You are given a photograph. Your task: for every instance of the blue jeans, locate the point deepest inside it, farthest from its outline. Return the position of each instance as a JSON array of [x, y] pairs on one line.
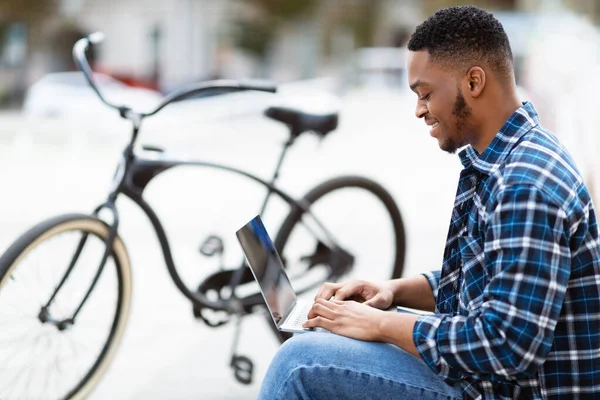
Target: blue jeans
[[320, 365]]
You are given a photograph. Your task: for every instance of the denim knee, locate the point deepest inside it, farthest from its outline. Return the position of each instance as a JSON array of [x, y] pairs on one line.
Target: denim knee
[[324, 365], [297, 351]]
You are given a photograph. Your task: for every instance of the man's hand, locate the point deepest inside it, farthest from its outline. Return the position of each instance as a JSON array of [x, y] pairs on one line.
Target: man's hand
[[359, 321], [371, 294], [346, 318]]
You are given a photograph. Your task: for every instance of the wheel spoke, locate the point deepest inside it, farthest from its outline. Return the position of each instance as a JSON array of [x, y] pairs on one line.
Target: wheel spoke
[[6, 360], [16, 319], [24, 298], [13, 315], [59, 372], [18, 375], [14, 340], [30, 290], [46, 385], [31, 370]]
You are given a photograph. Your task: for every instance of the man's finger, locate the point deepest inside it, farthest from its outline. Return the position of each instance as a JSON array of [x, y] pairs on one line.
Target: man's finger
[[327, 290], [376, 301], [348, 291], [312, 313], [321, 309], [319, 322]]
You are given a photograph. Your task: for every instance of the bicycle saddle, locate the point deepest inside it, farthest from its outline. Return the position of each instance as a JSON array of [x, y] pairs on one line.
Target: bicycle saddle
[[317, 117]]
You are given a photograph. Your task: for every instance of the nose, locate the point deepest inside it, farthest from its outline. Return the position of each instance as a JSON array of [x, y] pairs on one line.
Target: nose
[[421, 109]]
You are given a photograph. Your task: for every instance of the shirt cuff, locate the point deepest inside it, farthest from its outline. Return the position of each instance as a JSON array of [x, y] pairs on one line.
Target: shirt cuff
[[424, 338], [434, 281]]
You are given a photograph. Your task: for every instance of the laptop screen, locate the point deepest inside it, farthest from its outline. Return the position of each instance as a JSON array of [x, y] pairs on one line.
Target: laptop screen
[[267, 268]]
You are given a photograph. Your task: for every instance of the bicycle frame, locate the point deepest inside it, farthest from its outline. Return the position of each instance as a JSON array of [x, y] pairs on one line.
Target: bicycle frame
[[133, 174]]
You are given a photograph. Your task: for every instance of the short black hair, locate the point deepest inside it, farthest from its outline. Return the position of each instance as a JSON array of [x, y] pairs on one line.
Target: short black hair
[[455, 36]]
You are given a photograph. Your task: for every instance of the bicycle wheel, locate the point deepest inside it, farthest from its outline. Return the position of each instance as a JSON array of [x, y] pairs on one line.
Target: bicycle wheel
[[363, 220], [47, 360]]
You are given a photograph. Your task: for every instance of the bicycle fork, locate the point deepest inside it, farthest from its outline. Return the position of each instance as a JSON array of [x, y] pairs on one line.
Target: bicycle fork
[[44, 315]]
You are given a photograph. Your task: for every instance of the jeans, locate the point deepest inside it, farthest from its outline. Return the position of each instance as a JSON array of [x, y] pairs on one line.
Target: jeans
[[320, 365]]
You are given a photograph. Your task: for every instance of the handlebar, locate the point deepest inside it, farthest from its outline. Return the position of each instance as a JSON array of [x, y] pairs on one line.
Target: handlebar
[[82, 63], [79, 56], [231, 85]]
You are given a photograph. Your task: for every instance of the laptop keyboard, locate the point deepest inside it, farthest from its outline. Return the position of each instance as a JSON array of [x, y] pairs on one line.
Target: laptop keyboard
[[298, 316]]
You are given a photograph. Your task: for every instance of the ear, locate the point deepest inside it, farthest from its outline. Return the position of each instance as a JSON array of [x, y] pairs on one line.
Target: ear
[[476, 80]]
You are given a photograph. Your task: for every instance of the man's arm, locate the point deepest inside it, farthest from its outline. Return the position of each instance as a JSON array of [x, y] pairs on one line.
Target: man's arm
[[415, 292], [360, 321], [526, 258]]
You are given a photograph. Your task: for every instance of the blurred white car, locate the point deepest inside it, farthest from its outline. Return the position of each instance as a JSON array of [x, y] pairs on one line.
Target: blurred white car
[[68, 95]]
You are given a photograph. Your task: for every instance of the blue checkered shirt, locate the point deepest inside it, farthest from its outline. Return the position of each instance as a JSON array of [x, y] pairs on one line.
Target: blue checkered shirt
[[518, 297]]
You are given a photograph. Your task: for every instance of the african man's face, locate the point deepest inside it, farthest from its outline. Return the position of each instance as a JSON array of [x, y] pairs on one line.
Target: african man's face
[[440, 101]]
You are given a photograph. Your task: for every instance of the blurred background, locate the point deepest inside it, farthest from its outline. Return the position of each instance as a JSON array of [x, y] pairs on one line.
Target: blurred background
[[59, 144], [154, 47]]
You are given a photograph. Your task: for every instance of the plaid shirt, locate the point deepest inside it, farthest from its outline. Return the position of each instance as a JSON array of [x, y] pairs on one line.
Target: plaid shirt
[[518, 297]]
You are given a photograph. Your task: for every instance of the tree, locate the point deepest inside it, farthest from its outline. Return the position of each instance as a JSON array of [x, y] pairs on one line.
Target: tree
[[24, 20], [27, 11], [286, 10], [32, 13]]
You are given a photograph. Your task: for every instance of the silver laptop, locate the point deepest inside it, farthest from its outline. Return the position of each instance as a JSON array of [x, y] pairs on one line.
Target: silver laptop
[[287, 311]]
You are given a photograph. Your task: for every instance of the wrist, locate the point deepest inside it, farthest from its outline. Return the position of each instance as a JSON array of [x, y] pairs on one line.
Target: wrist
[[398, 287], [397, 329], [414, 292]]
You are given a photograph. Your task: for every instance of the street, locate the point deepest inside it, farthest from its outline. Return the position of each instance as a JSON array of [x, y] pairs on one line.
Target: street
[[56, 167]]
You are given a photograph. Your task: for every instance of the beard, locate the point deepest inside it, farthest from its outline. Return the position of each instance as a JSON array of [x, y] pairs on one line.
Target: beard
[[462, 112]]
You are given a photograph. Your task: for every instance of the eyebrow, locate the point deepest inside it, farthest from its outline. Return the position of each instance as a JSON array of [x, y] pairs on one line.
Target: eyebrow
[[417, 84]]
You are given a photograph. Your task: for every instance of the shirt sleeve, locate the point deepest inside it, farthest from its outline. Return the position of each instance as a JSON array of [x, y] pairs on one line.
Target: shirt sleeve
[[527, 261], [434, 281]]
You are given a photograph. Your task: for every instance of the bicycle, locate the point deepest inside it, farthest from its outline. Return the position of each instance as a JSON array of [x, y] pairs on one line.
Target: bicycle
[[94, 253]]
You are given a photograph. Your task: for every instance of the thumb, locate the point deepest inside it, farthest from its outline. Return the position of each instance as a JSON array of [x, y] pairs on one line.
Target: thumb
[[347, 291], [377, 301]]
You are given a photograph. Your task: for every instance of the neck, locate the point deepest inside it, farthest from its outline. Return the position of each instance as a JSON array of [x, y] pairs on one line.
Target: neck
[[496, 114]]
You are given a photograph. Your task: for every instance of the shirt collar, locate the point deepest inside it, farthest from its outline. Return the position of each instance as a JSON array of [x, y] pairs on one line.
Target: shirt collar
[[519, 123]]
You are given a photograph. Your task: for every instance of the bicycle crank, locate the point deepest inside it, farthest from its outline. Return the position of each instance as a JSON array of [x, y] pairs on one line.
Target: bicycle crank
[[216, 287]]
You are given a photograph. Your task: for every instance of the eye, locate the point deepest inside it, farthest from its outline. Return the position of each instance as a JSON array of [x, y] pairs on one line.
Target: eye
[[425, 97]]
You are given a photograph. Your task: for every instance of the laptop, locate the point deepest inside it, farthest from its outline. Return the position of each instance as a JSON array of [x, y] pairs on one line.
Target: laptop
[[287, 311]]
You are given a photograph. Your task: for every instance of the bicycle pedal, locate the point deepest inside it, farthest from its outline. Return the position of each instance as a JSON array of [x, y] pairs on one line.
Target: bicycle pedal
[[211, 246], [243, 368]]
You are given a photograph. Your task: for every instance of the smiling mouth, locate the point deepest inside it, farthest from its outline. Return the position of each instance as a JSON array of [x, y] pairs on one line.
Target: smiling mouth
[[433, 127]]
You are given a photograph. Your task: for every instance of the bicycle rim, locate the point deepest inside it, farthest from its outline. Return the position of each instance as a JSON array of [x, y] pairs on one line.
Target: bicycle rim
[[36, 359]]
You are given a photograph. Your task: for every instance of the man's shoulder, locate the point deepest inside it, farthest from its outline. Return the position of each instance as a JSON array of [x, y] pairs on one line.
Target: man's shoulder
[[541, 161]]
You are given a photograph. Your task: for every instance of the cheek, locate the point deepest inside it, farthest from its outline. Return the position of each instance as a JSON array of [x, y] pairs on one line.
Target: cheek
[[438, 111], [440, 105]]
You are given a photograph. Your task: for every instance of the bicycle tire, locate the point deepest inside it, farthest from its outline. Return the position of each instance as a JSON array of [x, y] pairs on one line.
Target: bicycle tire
[[77, 223], [344, 182]]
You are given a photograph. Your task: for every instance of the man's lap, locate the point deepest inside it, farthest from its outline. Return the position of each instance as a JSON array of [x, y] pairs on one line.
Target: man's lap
[[325, 365]]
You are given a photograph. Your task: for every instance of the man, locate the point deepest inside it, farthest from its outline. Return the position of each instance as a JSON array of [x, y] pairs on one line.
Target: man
[[516, 305]]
